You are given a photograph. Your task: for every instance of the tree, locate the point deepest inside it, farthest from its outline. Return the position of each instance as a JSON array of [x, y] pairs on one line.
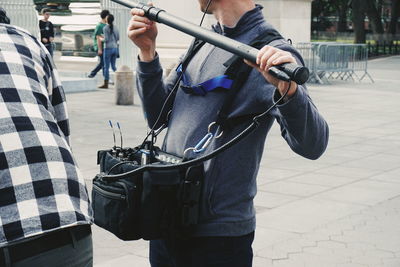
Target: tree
[[342, 23], [357, 10], [326, 8], [395, 10], [319, 11], [358, 21], [362, 8], [374, 16], [341, 8]]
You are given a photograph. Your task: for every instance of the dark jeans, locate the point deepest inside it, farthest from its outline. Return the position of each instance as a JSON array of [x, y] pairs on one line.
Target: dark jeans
[[78, 252], [98, 67], [49, 48], [203, 252]]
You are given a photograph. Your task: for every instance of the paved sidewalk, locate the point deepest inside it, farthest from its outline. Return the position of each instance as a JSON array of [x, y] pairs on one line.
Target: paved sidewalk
[[341, 210]]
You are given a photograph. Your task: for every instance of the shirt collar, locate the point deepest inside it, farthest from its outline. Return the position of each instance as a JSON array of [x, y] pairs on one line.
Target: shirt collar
[[245, 23]]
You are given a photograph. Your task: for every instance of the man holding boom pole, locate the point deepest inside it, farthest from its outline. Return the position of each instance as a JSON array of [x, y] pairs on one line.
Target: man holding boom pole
[[225, 233]]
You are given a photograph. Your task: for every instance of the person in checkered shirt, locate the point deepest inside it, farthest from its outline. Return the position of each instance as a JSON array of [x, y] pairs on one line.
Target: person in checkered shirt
[[45, 214]]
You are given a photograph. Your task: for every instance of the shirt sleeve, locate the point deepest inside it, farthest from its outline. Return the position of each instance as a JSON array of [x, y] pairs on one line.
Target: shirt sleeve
[[302, 126], [41, 29], [153, 91], [57, 98], [106, 32], [97, 30], [51, 33]]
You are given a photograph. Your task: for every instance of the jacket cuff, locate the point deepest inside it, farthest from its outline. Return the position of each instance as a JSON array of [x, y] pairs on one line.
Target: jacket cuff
[[151, 67], [294, 103]]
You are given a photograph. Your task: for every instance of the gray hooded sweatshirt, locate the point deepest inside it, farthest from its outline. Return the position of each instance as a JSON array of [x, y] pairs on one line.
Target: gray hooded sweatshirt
[[230, 178]]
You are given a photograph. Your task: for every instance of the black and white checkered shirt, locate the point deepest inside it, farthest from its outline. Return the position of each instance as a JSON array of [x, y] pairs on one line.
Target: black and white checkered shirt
[[41, 188]]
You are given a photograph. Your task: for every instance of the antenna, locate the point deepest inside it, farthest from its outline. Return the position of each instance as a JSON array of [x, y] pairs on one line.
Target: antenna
[[111, 125], [120, 134]]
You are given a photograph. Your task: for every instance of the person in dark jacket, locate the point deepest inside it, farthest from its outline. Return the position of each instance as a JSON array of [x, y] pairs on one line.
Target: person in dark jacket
[[225, 232], [46, 31]]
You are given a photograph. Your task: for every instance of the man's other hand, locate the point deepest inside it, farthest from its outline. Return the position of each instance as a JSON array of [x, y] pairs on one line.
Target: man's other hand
[[269, 56]]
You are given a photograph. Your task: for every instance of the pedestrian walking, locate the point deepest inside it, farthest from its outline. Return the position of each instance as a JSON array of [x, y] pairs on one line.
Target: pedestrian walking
[[111, 39], [98, 43]]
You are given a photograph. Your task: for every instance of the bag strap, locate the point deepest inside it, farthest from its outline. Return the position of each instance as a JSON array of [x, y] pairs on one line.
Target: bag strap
[[273, 35], [222, 81], [235, 75], [169, 102], [193, 49], [238, 71]]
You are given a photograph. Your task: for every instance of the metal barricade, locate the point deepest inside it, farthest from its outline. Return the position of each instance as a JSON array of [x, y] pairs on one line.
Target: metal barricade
[[335, 61], [307, 51], [360, 61]]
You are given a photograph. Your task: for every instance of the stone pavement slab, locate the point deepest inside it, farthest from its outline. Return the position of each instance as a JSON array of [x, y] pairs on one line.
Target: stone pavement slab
[[361, 239], [341, 210]]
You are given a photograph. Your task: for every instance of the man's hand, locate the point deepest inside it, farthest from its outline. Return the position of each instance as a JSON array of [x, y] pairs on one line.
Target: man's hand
[[44, 40], [269, 56], [51, 39], [99, 45], [143, 33]]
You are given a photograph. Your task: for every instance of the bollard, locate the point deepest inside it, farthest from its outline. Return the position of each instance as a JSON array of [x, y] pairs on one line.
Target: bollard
[[78, 42], [124, 86]]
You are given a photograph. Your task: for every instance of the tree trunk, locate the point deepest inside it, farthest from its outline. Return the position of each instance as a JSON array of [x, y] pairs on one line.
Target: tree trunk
[[380, 6], [374, 16], [395, 10], [358, 21], [342, 24]]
